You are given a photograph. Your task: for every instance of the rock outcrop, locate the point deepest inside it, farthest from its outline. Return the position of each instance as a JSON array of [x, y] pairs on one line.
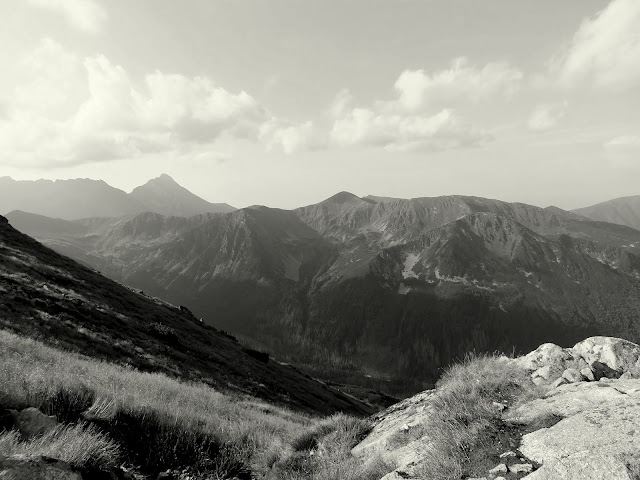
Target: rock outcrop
[[591, 359], [585, 425], [597, 438]]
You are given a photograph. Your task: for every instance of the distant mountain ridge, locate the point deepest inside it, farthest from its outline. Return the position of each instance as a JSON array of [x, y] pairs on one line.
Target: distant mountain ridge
[[86, 198], [624, 211]]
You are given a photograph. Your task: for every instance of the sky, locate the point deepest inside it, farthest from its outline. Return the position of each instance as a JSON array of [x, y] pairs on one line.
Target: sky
[[286, 102]]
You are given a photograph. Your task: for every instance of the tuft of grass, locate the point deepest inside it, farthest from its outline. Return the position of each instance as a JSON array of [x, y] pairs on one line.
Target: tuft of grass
[[323, 452], [81, 445], [467, 423]]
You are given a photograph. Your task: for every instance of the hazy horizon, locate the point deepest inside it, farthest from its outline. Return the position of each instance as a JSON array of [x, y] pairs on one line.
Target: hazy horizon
[[286, 103]]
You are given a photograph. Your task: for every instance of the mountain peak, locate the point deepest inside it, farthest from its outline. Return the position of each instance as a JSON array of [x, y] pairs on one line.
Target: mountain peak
[[166, 196], [343, 197], [163, 179]]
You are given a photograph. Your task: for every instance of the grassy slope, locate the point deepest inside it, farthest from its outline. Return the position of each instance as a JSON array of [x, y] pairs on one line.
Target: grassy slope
[[116, 415], [47, 296]]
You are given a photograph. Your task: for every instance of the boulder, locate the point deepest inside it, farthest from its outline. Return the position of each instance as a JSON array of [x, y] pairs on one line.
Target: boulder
[[39, 468], [616, 353], [31, 422]]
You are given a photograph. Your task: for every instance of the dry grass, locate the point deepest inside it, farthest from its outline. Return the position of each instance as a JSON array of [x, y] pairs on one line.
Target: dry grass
[[323, 452], [159, 422], [81, 445]]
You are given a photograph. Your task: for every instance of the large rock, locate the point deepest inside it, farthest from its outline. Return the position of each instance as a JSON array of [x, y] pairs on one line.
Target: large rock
[[600, 429], [593, 358], [398, 435], [615, 353], [40, 468], [31, 422]]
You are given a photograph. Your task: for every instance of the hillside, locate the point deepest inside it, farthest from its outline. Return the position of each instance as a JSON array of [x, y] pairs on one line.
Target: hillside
[[624, 211], [53, 298]]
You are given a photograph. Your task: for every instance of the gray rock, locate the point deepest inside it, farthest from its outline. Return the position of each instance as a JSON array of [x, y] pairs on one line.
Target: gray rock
[[582, 467], [521, 468], [560, 381], [40, 468], [31, 422], [616, 353], [598, 433], [587, 374], [502, 468], [572, 375]]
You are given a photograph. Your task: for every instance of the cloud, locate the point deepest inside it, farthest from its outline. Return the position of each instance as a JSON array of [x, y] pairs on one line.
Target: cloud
[[605, 51], [86, 110], [395, 132], [86, 15], [461, 82], [548, 115], [291, 137], [424, 115]]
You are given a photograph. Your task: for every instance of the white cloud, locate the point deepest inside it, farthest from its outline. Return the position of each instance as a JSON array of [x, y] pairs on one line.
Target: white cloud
[[395, 132], [461, 82], [86, 15], [290, 137], [423, 116], [111, 117], [548, 115], [605, 51], [340, 103]]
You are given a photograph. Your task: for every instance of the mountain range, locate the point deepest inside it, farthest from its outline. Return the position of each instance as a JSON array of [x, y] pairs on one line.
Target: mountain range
[[373, 289], [85, 198]]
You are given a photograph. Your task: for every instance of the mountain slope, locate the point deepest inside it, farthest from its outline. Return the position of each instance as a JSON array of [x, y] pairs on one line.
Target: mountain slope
[[164, 196], [51, 297], [624, 211]]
